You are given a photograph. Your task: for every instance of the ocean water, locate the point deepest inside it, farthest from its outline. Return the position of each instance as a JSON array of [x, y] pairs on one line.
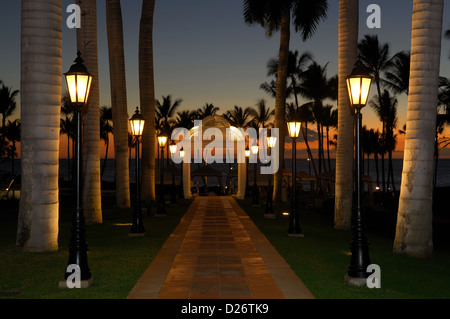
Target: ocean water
[[443, 174]]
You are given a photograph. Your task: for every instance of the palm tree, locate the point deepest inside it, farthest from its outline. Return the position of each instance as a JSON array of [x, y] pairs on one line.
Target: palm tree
[[316, 86], [296, 66], [240, 117], [67, 126], [7, 102], [40, 87], [118, 103], [375, 58], [12, 134], [274, 16], [165, 112], [330, 118], [347, 56], [386, 108], [185, 119], [147, 100], [106, 128], [413, 234], [262, 114], [87, 45], [206, 110], [397, 73]]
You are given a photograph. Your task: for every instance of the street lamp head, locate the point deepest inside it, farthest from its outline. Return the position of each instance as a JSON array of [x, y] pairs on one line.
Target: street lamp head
[[137, 122], [181, 153], [78, 81], [358, 84], [162, 141], [247, 153], [271, 141], [254, 149], [294, 128], [173, 149]]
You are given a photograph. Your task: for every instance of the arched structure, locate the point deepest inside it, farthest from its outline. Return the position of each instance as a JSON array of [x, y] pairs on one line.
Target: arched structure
[[200, 138]]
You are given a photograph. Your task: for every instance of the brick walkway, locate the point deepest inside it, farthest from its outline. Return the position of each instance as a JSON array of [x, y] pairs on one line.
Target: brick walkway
[[216, 252]]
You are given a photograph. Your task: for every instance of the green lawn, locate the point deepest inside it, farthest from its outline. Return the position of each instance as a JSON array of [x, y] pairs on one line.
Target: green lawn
[[321, 259], [117, 261]]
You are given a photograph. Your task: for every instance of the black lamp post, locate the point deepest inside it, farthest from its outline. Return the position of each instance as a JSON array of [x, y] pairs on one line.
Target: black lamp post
[[358, 84], [271, 141], [173, 198], [181, 180], [78, 81], [255, 186], [161, 211], [137, 127], [294, 222], [247, 155]]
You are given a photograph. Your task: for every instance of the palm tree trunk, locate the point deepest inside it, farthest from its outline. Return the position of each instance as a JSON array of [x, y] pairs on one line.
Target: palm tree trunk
[[104, 161], [118, 101], [40, 91], [147, 98], [414, 221], [348, 47], [280, 99], [87, 45]]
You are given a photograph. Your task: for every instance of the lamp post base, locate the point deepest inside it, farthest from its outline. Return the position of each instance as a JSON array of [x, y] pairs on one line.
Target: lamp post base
[[83, 284], [296, 235], [355, 281], [136, 234]]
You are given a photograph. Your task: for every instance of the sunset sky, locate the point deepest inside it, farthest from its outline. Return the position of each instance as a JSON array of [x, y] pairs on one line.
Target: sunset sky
[[205, 53]]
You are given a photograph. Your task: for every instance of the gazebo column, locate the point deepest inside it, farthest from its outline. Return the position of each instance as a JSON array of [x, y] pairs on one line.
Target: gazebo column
[[187, 180], [242, 167]]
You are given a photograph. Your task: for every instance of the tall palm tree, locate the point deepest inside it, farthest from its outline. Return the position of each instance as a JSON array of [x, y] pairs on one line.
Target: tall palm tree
[[413, 234], [206, 110], [67, 126], [12, 134], [7, 102], [386, 109], [165, 111], [147, 100], [185, 119], [87, 45], [397, 73], [118, 103], [316, 86], [275, 16], [347, 56], [262, 114], [40, 87], [375, 57], [106, 128], [240, 117], [330, 118]]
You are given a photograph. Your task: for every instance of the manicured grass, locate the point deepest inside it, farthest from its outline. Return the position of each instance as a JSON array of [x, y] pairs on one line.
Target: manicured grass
[[115, 259], [321, 259]]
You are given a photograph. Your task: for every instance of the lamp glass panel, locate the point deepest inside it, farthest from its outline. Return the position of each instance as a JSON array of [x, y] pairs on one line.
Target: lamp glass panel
[[162, 140], [271, 141], [294, 128]]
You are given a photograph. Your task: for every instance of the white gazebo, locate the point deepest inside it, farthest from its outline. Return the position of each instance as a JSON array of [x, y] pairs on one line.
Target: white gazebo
[[231, 137]]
